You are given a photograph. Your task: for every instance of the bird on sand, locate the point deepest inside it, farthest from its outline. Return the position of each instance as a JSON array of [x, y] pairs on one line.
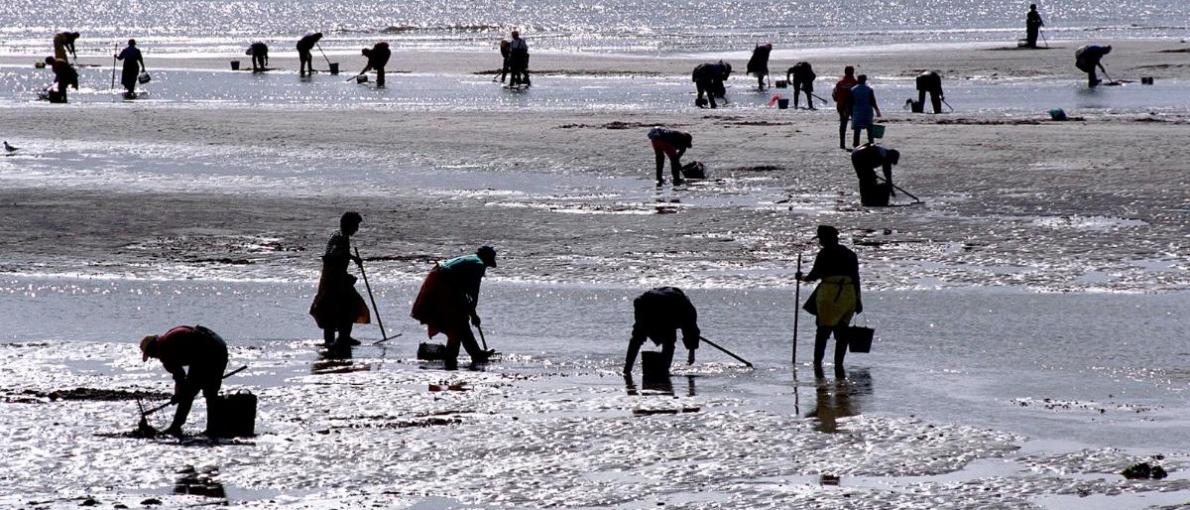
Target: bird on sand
[[9, 149]]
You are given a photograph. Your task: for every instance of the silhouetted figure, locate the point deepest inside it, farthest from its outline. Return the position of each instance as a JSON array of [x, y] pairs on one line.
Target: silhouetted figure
[[448, 298], [64, 44], [842, 97], [708, 79], [305, 46], [64, 76], [518, 61], [1087, 58], [659, 313], [260, 56], [505, 63], [866, 159], [863, 104], [672, 143], [133, 64], [837, 297], [758, 65], [189, 346], [802, 81], [931, 82], [378, 56], [1033, 26], [337, 305]]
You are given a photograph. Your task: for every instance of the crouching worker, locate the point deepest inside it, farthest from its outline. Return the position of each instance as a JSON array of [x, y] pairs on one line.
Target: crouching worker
[[337, 305], [671, 143], [378, 56], [659, 313], [866, 159], [188, 346], [447, 300], [708, 79], [836, 299]]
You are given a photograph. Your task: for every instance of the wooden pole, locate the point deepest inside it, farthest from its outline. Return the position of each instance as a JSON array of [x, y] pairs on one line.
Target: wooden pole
[[797, 304], [370, 297]]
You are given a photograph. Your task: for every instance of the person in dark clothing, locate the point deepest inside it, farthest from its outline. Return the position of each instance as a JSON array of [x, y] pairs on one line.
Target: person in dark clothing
[[337, 305], [842, 97], [518, 61], [189, 346], [672, 143], [64, 45], [659, 313], [260, 56], [837, 297], [803, 81], [505, 54], [708, 79], [133, 64], [1033, 26], [866, 159], [378, 56], [449, 297], [931, 82], [64, 76], [1087, 58], [758, 65], [305, 46]]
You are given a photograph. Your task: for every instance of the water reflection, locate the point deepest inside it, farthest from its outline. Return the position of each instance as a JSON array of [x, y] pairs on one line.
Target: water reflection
[[839, 397], [336, 359], [199, 482], [662, 385]]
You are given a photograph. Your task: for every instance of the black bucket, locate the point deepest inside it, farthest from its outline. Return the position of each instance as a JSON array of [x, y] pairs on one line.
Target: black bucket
[[431, 352], [653, 365], [235, 65], [783, 103], [232, 415], [875, 195], [1146, 80], [782, 84], [334, 67], [917, 106], [859, 338]]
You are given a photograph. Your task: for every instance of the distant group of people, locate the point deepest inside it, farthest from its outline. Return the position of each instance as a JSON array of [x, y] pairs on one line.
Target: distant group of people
[[515, 65]]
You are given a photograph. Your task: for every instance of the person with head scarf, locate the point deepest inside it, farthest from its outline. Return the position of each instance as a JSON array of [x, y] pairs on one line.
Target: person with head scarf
[[133, 64], [837, 298], [448, 299], [337, 305], [196, 347]]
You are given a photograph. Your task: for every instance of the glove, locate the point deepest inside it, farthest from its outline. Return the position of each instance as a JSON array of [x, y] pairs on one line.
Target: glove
[[798, 276]]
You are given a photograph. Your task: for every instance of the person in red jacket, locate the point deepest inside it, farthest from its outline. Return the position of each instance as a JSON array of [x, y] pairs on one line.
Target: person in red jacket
[[188, 346], [842, 97]]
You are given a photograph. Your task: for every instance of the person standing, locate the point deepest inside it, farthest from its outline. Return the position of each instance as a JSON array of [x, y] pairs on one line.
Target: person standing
[[708, 79], [842, 97], [866, 159], [1033, 24], [505, 63], [672, 143], [305, 46], [64, 44], [378, 56], [758, 65], [64, 76], [518, 55], [658, 314], [803, 81], [133, 64], [337, 305], [1087, 58], [189, 346], [863, 104], [931, 82], [449, 297], [836, 299], [260, 56]]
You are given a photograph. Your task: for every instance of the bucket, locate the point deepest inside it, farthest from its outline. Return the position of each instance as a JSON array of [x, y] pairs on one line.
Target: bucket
[[877, 130], [859, 338], [1057, 114], [232, 415], [235, 65], [653, 365], [334, 66], [875, 195], [917, 106], [782, 84], [783, 103], [431, 352], [1146, 80], [39, 65], [363, 78]]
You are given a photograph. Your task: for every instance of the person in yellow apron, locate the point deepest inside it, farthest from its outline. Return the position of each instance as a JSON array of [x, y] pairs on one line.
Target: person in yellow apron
[[837, 297]]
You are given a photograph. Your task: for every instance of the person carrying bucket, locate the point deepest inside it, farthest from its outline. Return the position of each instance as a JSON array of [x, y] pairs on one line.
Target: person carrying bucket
[[196, 347], [836, 299], [337, 305], [758, 65], [305, 47], [863, 104], [378, 56], [658, 314], [842, 96], [802, 81], [259, 51], [929, 82], [866, 159], [133, 64], [449, 297], [672, 143], [1087, 58]]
